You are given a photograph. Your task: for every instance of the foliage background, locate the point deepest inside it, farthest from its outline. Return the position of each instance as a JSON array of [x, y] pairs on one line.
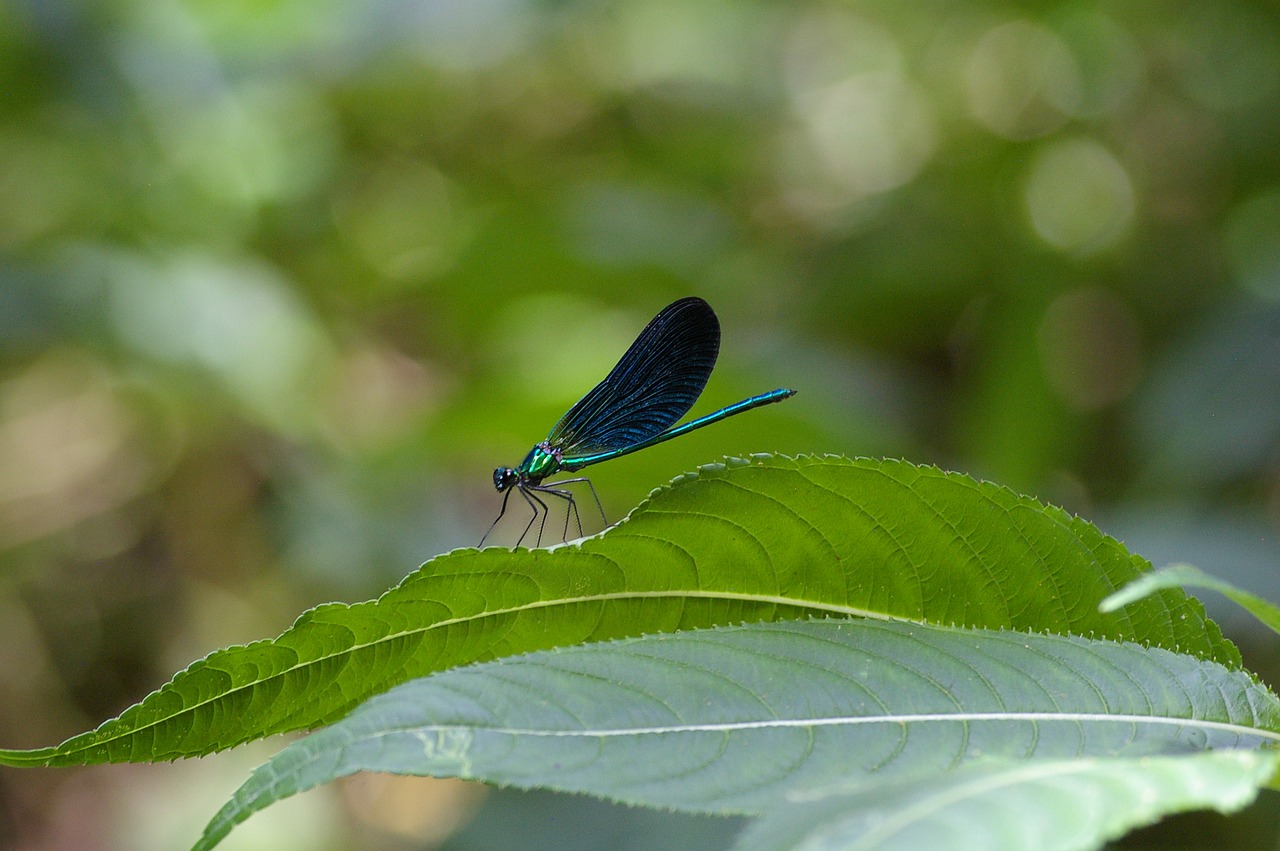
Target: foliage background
[[281, 282]]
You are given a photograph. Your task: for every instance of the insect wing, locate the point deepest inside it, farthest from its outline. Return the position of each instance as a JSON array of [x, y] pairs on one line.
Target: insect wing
[[654, 384]]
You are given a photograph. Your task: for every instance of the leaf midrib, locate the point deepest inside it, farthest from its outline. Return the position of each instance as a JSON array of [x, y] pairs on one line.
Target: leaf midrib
[[842, 720], [816, 606]]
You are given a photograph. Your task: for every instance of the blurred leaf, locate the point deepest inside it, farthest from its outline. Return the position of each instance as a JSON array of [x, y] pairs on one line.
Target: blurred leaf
[[1188, 576], [1053, 805], [770, 538], [820, 714]]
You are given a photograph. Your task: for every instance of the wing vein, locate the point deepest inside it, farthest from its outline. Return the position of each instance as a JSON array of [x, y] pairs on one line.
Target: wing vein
[[653, 385]]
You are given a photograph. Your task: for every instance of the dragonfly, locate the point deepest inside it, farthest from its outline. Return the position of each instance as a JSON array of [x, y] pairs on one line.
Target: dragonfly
[[654, 384]]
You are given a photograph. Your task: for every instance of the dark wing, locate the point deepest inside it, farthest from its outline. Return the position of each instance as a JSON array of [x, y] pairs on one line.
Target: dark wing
[[654, 384]]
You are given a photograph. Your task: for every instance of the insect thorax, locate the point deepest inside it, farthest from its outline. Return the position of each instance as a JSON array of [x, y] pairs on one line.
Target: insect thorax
[[542, 461]]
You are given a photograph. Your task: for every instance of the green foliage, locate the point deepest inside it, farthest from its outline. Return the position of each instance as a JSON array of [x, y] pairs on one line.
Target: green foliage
[[845, 718], [756, 540], [1188, 576], [1048, 805], [674, 661]]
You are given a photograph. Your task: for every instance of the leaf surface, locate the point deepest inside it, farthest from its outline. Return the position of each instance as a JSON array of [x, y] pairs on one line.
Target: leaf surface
[[764, 539], [1189, 576], [734, 719], [1049, 805]]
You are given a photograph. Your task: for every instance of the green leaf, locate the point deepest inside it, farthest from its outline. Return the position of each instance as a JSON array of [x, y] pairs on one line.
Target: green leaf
[[1188, 576], [1049, 805], [734, 719], [764, 539]]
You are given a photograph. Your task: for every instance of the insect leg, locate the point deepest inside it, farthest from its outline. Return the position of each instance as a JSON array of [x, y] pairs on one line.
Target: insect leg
[[570, 509], [534, 503], [594, 495], [505, 497]]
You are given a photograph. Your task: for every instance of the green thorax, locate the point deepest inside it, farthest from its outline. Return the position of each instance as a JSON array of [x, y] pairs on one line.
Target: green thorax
[[542, 461]]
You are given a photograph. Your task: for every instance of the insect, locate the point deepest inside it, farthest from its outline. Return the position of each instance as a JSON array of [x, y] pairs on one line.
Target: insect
[[654, 384]]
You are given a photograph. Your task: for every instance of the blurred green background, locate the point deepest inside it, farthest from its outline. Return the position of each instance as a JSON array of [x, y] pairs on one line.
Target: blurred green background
[[282, 281]]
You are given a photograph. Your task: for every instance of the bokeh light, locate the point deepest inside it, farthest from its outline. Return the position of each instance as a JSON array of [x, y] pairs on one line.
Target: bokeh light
[[1079, 197], [1023, 81]]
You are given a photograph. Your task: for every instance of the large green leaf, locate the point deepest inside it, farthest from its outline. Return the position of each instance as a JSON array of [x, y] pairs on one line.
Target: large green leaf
[[738, 719], [768, 538]]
